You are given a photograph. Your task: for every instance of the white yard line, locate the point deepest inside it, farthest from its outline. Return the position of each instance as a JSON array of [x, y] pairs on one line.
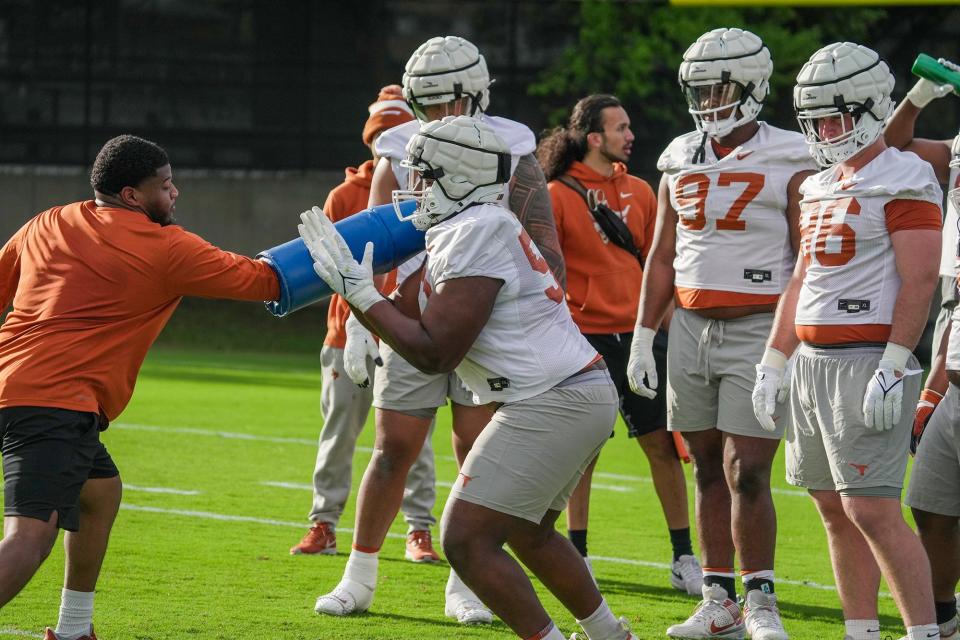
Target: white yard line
[[19, 632], [208, 515], [178, 492], [233, 435]]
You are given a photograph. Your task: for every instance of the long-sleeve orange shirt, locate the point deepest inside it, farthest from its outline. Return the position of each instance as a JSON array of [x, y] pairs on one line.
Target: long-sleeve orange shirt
[[603, 280], [92, 287]]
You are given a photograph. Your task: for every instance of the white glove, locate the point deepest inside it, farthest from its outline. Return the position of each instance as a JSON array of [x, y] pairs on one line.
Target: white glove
[[884, 396], [334, 263], [924, 92], [360, 345], [770, 387], [642, 363]]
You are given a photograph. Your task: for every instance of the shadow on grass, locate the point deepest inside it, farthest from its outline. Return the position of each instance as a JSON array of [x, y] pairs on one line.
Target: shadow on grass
[[792, 612]]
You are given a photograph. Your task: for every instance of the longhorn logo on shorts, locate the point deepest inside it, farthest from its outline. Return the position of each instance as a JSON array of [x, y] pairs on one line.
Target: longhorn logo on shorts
[[466, 479], [861, 468]]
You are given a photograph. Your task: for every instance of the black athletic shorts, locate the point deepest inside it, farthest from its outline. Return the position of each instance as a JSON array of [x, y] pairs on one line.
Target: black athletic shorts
[[642, 416], [48, 454]]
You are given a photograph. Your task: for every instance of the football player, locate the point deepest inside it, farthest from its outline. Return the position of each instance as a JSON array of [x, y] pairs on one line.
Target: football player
[[726, 239], [857, 304], [491, 309], [343, 404], [444, 76]]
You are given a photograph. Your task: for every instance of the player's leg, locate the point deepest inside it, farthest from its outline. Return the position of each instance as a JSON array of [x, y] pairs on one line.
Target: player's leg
[[344, 407], [898, 552], [509, 491], [578, 512], [692, 409], [468, 421], [25, 545], [855, 570], [419, 498], [48, 455], [646, 421], [934, 498], [86, 549], [868, 467]]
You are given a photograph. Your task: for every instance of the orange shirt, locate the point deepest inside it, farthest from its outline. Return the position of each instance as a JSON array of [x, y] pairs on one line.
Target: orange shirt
[[344, 200], [603, 280], [92, 287]]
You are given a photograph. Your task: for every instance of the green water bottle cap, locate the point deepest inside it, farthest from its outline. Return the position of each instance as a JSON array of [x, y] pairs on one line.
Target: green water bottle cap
[[931, 69]]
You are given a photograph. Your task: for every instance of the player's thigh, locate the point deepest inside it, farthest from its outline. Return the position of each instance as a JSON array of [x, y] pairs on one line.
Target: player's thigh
[[48, 455], [692, 394], [935, 476], [536, 449]]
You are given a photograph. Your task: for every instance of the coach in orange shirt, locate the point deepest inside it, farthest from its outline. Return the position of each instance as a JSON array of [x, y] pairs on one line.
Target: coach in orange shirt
[[92, 285], [591, 192]]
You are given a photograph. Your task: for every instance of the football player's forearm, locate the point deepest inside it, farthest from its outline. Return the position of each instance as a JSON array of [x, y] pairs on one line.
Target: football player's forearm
[[409, 338], [910, 314], [937, 380], [656, 293], [530, 202], [899, 130], [783, 334]]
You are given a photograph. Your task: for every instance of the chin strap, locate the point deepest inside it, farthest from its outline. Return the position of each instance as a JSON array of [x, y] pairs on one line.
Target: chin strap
[[700, 155]]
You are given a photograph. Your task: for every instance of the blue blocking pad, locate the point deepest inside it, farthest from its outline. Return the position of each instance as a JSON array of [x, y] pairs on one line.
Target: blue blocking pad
[[393, 243]]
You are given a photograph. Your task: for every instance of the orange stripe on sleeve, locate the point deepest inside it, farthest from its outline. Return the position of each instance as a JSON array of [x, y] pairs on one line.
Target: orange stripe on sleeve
[[905, 215]]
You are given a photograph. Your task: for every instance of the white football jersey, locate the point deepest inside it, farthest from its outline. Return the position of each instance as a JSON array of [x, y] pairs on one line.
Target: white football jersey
[[851, 274], [950, 250], [392, 144], [733, 233], [530, 342]]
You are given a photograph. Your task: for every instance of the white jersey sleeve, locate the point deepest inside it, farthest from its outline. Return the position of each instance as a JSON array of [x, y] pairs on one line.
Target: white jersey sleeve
[[953, 343], [529, 342]]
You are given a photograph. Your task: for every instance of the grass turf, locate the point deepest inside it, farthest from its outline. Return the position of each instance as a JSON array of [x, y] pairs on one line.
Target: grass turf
[[213, 562]]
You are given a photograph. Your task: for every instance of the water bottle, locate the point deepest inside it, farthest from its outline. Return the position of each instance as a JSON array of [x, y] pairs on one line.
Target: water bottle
[[940, 71]]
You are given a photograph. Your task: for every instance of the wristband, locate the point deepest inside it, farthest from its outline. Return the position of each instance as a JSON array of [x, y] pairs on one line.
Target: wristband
[[897, 354], [774, 358]]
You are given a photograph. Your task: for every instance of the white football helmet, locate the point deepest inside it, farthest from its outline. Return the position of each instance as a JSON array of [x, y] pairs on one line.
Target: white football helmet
[[842, 100], [454, 162], [444, 69], [725, 76]]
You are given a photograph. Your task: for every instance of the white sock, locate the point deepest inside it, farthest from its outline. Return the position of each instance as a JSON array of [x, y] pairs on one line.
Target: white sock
[[76, 614], [549, 632], [924, 632], [362, 568], [458, 588], [601, 625], [862, 629]]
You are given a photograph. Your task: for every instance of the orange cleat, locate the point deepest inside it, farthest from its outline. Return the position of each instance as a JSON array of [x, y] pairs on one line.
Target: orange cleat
[[321, 539], [420, 547]]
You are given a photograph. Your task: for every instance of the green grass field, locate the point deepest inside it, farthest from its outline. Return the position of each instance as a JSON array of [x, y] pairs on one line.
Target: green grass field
[[217, 451]]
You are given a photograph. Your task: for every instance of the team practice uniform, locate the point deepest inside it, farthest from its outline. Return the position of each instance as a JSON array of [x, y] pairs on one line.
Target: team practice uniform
[[732, 249], [126, 277], [344, 405], [603, 279], [558, 401], [398, 385], [948, 253], [843, 319], [935, 479]]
